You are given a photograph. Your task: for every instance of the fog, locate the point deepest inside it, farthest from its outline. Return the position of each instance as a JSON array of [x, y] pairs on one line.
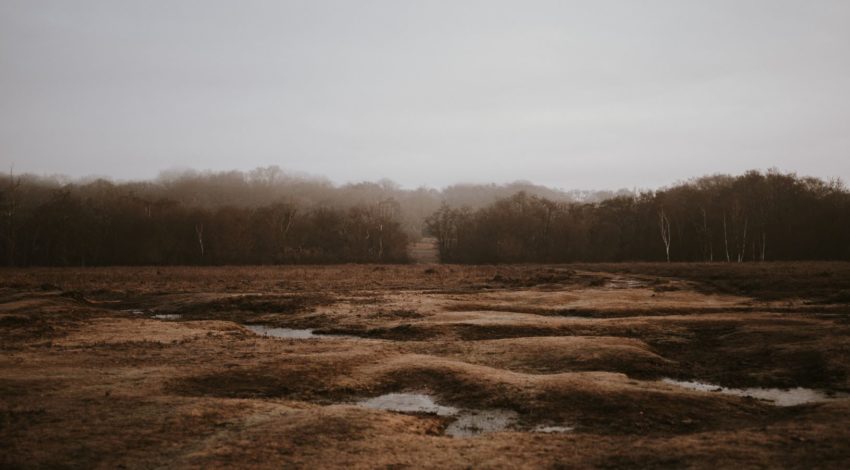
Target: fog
[[605, 94]]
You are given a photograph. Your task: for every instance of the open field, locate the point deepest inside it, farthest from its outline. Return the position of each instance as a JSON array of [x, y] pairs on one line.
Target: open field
[[505, 366]]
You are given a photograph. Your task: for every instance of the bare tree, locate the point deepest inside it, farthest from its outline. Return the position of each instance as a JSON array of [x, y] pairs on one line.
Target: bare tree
[[743, 246], [284, 223], [199, 232], [664, 225], [386, 210], [11, 211], [706, 233], [726, 238]]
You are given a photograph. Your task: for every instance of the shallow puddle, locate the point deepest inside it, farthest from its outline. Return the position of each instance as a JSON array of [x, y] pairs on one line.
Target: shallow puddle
[[167, 316], [778, 396], [553, 429], [288, 333], [474, 422], [625, 283], [408, 403], [293, 333], [468, 423]]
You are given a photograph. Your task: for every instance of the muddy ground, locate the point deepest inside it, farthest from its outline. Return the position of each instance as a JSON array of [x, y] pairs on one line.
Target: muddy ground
[[157, 367]]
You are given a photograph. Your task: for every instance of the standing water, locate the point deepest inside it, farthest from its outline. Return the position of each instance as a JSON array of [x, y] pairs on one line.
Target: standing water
[[167, 316], [778, 396], [408, 403], [467, 422], [474, 422], [287, 333]]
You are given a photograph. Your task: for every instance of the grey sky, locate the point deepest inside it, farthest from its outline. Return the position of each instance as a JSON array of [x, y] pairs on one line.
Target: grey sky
[[593, 94]]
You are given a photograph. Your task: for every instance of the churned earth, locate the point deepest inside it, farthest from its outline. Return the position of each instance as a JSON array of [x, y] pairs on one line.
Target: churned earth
[[355, 366]]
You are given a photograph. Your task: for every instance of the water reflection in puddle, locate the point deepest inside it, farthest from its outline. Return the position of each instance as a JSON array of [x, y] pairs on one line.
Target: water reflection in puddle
[[475, 422], [625, 283], [288, 333], [167, 316], [779, 397], [294, 333], [553, 429], [408, 403], [467, 422]]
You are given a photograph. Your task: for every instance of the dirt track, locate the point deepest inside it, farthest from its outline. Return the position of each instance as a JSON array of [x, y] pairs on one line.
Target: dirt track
[[91, 377]]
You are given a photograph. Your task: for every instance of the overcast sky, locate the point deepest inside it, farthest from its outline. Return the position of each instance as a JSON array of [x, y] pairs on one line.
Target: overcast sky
[[591, 94]]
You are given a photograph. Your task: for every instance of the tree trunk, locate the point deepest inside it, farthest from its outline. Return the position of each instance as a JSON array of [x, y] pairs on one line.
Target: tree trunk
[[199, 231], [283, 228], [664, 225], [726, 239], [708, 246], [743, 246], [13, 207]]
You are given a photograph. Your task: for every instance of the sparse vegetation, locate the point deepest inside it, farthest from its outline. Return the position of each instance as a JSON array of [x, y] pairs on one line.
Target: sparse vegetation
[[93, 379]]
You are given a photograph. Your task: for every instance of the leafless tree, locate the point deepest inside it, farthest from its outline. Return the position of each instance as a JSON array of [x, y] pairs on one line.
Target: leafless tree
[[11, 212], [664, 225], [199, 232], [286, 214], [743, 246], [726, 238], [706, 233]]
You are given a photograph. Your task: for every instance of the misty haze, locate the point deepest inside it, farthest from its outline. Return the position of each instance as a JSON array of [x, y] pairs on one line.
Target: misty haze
[[424, 234]]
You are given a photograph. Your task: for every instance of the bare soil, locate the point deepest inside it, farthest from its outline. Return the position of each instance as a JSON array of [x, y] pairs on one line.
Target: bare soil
[[89, 378]]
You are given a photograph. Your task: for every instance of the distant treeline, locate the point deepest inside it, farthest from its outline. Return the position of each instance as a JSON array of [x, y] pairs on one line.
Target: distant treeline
[[268, 217], [753, 217], [68, 230], [263, 216], [193, 219]]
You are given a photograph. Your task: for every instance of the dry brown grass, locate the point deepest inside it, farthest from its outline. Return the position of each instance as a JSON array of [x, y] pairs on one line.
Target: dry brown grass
[[89, 379]]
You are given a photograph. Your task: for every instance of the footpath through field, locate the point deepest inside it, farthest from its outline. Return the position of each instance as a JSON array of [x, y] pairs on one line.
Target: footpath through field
[[425, 251]]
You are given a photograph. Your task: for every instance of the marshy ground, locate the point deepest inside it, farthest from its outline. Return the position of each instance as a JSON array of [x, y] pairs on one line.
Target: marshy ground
[[427, 366]]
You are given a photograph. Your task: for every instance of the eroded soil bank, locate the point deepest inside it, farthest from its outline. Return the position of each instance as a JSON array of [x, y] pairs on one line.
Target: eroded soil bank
[[633, 365]]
